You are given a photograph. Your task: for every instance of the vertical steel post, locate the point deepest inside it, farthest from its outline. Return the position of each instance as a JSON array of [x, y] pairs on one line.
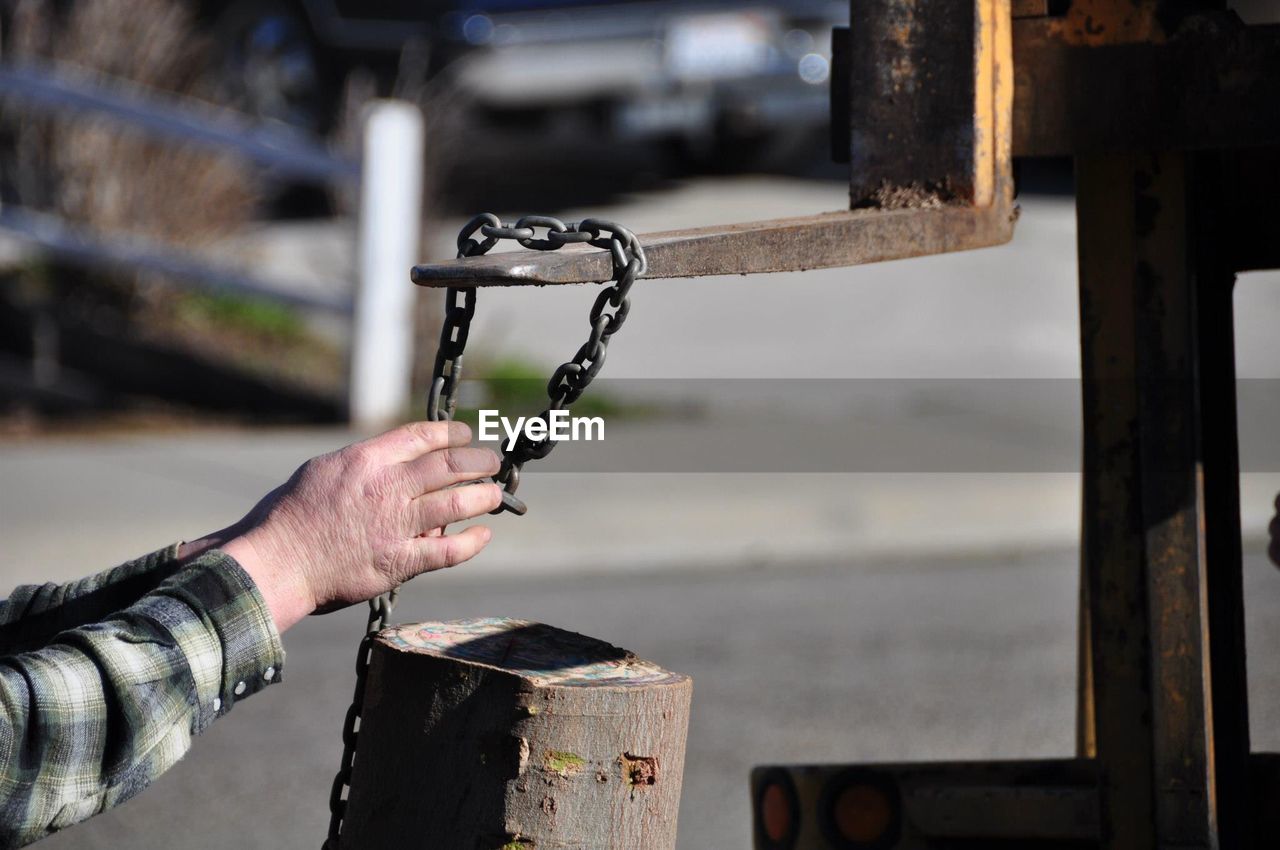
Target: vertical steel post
[[930, 102], [1161, 554]]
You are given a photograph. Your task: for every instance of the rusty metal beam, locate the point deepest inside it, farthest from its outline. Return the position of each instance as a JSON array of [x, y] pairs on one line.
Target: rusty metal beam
[[953, 192], [920, 91], [1213, 84], [1029, 8], [1112, 530], [794, 244], [1161, 552]]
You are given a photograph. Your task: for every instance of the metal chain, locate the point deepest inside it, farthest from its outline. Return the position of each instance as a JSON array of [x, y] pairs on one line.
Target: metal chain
[[380, 608], [566, 386], [572, 377]]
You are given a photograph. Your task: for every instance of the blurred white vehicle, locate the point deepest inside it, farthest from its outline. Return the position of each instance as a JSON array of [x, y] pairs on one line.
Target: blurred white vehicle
[[719, 81]]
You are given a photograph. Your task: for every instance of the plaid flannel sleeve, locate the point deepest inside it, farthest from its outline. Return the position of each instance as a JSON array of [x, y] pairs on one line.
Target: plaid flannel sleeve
[[34, 613], [100, 710]]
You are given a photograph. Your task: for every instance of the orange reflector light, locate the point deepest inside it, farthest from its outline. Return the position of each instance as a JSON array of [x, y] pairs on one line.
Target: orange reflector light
[[775, 813], [777, 810], [862, 813]]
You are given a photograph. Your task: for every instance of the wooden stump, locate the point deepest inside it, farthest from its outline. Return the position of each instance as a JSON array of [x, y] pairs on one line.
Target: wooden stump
[[497, 734]]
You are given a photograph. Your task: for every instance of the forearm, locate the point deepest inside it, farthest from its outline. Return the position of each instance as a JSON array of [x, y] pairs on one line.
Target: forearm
[[346, 527], [287, 597], [34, 613], [95, 716], [97, 712]]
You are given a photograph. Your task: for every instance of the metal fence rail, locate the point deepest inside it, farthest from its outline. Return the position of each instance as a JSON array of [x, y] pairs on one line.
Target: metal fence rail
[[284, 153], [389, 176], [132, 253]]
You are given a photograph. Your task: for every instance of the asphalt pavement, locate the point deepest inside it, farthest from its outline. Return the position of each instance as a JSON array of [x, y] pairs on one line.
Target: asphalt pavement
[[848, 661], [889, 578]]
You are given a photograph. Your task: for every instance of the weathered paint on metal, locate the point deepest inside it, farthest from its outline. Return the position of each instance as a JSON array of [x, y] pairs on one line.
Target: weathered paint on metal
[[1214, 84], [1171, 495], [1092, 23], [1161, 516], [1222, 624], [993, 104], [1165, 677], [1112, 529], [1029, 8], [951, 191], [931, 85]]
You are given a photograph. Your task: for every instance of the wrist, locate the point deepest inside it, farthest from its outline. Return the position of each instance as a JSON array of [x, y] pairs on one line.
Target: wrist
[[191, 549], [288, 598]]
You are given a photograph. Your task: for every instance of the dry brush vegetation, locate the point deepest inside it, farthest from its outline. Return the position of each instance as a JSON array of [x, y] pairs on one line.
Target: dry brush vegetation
[[120, 184], [93, 171]]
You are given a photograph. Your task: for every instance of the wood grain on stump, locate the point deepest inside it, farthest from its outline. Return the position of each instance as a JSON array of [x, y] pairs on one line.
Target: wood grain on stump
[[498, 734]]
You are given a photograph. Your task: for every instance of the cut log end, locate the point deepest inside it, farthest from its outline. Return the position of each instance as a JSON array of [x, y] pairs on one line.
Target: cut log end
[[491, 733], [544, 655]]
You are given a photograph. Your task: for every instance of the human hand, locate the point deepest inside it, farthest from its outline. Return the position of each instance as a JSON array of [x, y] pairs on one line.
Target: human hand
[[357, 522]]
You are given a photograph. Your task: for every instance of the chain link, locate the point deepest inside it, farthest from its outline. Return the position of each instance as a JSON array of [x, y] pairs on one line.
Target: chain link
[[380, 608], [459, 309], [566, 386], [572, 377]]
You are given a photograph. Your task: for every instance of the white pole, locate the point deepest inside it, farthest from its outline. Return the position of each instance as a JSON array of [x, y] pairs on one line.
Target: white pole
[[390, 226]]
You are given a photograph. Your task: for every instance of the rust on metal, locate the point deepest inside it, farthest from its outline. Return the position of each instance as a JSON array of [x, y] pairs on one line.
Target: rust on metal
[[1105, 77], [1108, 22], [1164, 682], [954, 192], [1214, 83], [1161, 540], [931, 87], [1112, 545], [1029, 8], [793, 244]]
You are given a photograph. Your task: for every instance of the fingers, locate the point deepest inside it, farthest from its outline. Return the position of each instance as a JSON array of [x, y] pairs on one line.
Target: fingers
[[447, 467], [443, 507], [416, 439], [433, 553]]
